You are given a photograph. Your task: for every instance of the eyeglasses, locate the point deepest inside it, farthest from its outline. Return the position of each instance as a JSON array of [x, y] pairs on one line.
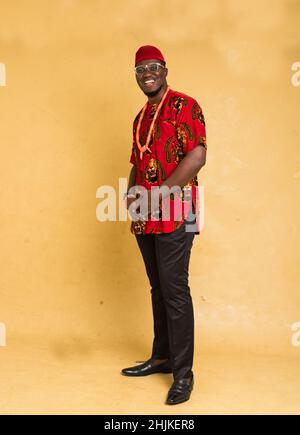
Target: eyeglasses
[[151, 67]]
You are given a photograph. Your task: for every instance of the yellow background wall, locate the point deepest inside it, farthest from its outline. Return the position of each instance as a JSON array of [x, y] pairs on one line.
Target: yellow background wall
[[66, 118]]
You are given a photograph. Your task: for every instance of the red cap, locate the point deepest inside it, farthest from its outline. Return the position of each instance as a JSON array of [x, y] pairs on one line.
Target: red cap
[[148, 52]]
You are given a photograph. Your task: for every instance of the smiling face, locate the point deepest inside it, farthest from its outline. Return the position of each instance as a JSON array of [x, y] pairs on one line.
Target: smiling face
[[151, 83]]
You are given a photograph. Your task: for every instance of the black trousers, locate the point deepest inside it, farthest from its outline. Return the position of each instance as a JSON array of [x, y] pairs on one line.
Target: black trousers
[[166, 257]]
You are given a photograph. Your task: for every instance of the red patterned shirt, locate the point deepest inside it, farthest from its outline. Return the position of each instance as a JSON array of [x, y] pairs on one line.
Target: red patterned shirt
[[179, 128]]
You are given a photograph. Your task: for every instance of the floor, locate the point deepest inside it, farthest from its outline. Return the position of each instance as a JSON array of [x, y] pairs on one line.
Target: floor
[[69, 377]]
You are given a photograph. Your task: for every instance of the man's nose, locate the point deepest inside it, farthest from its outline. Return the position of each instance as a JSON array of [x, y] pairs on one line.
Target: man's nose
[[146, 74]]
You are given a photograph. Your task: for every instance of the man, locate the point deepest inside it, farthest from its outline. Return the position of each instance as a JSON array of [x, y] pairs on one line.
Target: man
[[169, 149]]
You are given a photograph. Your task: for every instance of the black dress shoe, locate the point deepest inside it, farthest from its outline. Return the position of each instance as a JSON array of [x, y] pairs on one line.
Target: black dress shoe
[[147, 368], [180, 391]]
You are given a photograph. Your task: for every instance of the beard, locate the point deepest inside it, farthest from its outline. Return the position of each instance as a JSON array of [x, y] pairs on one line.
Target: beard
[[153, 93]]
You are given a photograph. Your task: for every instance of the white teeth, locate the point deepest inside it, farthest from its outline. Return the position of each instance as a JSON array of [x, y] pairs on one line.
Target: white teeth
[[149, 81]]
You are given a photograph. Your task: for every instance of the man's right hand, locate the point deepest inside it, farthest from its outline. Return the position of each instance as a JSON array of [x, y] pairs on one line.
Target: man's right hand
[[129, 200]]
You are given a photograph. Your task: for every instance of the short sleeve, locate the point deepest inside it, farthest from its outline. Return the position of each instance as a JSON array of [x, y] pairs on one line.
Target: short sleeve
[[133, 155], [191, 124]]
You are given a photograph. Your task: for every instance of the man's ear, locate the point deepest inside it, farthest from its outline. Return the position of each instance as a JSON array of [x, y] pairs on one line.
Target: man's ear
[[166, 72]]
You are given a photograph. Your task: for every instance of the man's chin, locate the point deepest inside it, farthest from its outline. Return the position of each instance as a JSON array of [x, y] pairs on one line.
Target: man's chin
[[153, 93]]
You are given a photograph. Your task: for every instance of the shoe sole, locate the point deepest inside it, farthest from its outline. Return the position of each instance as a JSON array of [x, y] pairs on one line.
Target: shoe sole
[[177, 402], [167, 371]]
